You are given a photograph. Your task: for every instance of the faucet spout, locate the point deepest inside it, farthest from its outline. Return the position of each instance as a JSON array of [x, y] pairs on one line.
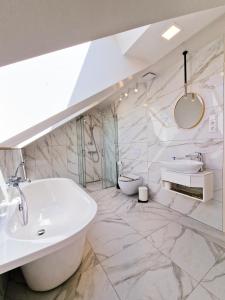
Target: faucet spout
[[14, 181], [196, 156], [23, 207]]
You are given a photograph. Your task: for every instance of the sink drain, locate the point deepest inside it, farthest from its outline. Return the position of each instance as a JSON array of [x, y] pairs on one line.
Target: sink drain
[[41, 232]]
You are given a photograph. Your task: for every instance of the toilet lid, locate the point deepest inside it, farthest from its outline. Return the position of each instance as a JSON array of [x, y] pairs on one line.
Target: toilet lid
[[129, 177]]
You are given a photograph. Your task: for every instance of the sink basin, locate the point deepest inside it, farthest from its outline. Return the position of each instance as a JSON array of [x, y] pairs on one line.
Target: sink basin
[[186, 166]]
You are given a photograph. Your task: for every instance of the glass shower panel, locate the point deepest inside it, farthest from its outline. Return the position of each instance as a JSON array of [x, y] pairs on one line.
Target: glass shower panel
[[81, 151], [110, 148]]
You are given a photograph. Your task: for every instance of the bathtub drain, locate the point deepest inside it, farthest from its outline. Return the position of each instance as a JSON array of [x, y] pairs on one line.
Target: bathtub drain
[[41, 232]]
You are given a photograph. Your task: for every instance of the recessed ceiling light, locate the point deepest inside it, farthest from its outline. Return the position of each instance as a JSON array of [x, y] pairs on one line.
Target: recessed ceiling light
[[171, 32], [126, 94]]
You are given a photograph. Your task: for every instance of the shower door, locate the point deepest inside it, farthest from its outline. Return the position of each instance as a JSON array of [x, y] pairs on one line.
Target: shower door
[[81, 151], [110, 148]]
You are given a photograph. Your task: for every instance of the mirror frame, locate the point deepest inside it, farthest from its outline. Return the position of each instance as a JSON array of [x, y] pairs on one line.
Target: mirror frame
[[201, 117]]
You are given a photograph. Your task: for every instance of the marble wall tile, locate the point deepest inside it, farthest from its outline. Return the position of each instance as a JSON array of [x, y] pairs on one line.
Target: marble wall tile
[[60, 137], [138, 167], [212, 150], [134, 151], [72, 161], [44, 141], [9, 161], [43, 162], [71, 132], [132, 126], [168, 130], [93, 159], [54, 155], [165, 139], [59, 161], [30, 158]]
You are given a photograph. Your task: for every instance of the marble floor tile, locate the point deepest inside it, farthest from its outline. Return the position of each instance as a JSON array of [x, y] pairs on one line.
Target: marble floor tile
[[115, 202], [156, 208], [91, 285], [110, 235], [187, 248], [89, 259], [141, 272], [209, 213], [145, 222], [100, 195], [214, 281], [200, 293], [94, 187], [208, 232]]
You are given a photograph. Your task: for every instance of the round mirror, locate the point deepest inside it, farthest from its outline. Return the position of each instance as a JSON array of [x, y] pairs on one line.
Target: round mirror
[[189, 110]]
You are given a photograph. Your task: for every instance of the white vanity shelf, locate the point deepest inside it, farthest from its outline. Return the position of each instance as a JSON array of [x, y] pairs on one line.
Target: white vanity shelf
[[197, 186]]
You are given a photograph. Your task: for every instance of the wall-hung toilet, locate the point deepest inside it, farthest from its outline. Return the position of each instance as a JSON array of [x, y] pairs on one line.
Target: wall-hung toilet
[[129, 183]]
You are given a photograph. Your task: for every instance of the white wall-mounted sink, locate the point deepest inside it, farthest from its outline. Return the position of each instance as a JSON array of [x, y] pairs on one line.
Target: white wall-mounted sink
[[186, 166]]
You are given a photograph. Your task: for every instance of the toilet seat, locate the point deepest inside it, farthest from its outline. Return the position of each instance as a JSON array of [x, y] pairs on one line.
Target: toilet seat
[[128, 178]]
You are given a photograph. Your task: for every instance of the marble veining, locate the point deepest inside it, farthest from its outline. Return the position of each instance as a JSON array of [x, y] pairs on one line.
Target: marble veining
[[140, 272], [9, 160], [93, 137], [140, 251], [214, 281], [54, 155], [148, 132], [185, 247], [110, 235]]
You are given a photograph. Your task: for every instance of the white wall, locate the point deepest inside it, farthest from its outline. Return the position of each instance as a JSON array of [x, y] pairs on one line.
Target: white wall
[[104, 66]]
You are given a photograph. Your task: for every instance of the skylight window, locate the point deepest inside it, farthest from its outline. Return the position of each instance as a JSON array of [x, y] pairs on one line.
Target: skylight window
[[37, 88], [171, 32]]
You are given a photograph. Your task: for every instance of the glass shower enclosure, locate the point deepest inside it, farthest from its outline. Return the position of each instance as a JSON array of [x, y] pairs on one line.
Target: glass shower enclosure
[[109, 153], [110, 148], [81, 151]]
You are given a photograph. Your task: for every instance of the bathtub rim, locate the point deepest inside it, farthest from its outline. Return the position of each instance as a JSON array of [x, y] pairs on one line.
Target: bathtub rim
[[44, 248]]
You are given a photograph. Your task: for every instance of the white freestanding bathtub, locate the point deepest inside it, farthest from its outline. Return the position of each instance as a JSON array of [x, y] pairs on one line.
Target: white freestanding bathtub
[[50, 247]]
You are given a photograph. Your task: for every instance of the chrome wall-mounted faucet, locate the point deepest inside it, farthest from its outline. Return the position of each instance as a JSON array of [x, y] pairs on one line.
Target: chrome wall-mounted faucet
[[14, 181], [196, 156]]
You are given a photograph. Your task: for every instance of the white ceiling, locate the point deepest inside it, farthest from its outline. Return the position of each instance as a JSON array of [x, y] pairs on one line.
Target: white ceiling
[[151, 47], [30, 28]]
